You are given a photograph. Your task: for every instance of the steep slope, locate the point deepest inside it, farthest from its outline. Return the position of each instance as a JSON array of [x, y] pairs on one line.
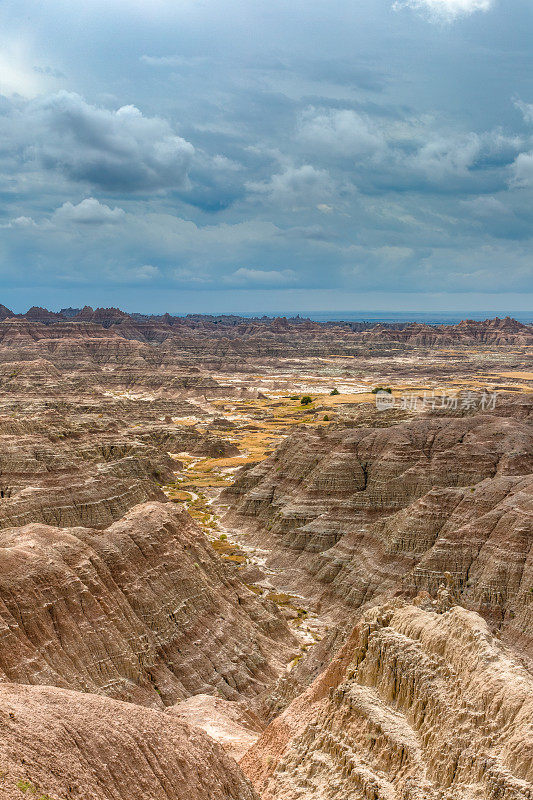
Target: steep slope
[[71, 475], [235, 728], [417, 706], [57, 744], [319, 483], [351, 514], [142, 611]]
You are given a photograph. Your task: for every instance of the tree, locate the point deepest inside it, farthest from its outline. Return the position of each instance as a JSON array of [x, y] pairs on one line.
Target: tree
[[306, 400], [334, 392]]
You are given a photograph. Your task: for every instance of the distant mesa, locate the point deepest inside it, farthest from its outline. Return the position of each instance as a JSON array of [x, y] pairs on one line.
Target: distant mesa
[[142, 326]]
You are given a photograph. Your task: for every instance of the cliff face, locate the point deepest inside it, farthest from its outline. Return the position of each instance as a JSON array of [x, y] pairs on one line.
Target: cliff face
[[56, 744], [359, 474], [141, 611], [417, 706], [353, 513], [490, 331]]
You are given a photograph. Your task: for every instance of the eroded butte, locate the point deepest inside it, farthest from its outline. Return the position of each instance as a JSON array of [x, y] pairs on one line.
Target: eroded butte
[[231, 569]]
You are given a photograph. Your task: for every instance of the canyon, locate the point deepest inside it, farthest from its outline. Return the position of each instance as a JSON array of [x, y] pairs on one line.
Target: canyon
[[265, 559]]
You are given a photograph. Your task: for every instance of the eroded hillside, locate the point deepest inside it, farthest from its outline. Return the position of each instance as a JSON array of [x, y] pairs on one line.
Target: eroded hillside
[[210, 532]]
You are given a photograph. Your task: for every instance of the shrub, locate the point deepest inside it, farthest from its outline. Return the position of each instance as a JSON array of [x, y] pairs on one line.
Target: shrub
[[326, 418], [295, 397], [334, 392], [382, 389], [306, 400]]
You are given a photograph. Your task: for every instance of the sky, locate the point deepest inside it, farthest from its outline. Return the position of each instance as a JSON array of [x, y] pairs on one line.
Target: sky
[[230, 156]]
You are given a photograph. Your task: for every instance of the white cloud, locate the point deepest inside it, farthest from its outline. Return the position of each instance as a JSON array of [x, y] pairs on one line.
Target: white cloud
[[526, 109], [295, 185], [116, 150], [260, 277], [145, 273], [88, 212], [445, 10], [190, 276], [444, 157], [22, 222], [123, 273], [340, 132], [522, 171], [485, 206]]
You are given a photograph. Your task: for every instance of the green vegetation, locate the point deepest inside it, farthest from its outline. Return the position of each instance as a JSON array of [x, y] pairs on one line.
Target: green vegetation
[[382, 389], [326, 418], [334, 392], [306, 400], [28, 787], [295, 397], [25, 786]]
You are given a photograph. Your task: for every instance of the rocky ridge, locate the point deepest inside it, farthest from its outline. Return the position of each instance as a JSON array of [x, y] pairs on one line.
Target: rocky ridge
[[416, 706], [351, 514], [142, 611]]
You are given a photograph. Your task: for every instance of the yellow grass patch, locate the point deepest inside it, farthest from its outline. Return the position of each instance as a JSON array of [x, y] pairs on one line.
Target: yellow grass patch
[[280, 598], [526, 376]]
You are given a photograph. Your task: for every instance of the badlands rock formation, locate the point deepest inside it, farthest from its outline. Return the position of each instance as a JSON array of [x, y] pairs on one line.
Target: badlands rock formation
[[110, 335], [139, 626], [226, 721], [57, 744], [416, 706], [142, 611], [56, 473], [73, 465], [354, 513]]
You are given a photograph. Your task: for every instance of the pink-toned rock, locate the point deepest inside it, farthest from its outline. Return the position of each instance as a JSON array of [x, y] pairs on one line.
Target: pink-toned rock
[[59, 744], [224, 720], [142, 611]]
